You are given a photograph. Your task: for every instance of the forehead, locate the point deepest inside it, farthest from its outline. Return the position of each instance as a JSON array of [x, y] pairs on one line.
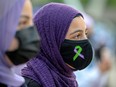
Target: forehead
[[27, 9], [77, 24]]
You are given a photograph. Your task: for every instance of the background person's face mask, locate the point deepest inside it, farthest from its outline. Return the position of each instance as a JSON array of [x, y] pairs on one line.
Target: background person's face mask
[[77, 54], [28, 46]]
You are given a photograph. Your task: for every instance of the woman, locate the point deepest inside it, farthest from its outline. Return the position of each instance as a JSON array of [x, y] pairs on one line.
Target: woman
[[64, 47], [9, 16], [27, 39]]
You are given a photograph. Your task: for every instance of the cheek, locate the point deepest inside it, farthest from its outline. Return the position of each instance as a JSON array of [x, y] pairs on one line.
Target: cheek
[[14, 45]]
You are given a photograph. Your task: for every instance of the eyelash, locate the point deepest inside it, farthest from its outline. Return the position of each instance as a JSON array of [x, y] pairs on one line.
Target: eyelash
[[77, 36]]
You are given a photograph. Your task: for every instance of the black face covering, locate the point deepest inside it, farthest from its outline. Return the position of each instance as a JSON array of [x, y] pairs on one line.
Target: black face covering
[[77, 54], [28, 46]]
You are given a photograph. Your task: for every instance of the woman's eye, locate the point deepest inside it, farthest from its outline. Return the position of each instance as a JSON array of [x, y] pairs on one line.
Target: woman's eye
[[76, 37]]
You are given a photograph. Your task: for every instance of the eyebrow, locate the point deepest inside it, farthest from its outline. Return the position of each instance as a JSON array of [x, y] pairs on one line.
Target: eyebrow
[[24, 16], [76, 31]]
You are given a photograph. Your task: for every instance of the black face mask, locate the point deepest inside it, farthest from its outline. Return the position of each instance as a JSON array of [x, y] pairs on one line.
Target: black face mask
[[77, 54], [29, 41]]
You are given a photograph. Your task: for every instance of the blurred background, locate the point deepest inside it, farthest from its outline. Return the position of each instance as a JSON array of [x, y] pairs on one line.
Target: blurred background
[[100, 17]]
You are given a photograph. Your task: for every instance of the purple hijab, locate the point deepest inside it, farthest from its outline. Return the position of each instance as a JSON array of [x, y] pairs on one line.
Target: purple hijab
[[9, 16], [48, 68]]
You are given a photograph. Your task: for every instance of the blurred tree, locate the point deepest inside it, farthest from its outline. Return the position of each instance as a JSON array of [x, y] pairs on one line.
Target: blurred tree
[[84, 2], [42, 2], [111, 3]]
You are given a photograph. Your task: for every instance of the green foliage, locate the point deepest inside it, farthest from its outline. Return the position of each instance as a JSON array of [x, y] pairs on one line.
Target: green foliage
[[111, 3], [42, 2], [84, 2]]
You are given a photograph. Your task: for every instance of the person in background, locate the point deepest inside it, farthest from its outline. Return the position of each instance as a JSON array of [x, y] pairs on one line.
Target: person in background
[[103, 66], [97, 75], [27, 40], [9, 16], [64, 47]]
